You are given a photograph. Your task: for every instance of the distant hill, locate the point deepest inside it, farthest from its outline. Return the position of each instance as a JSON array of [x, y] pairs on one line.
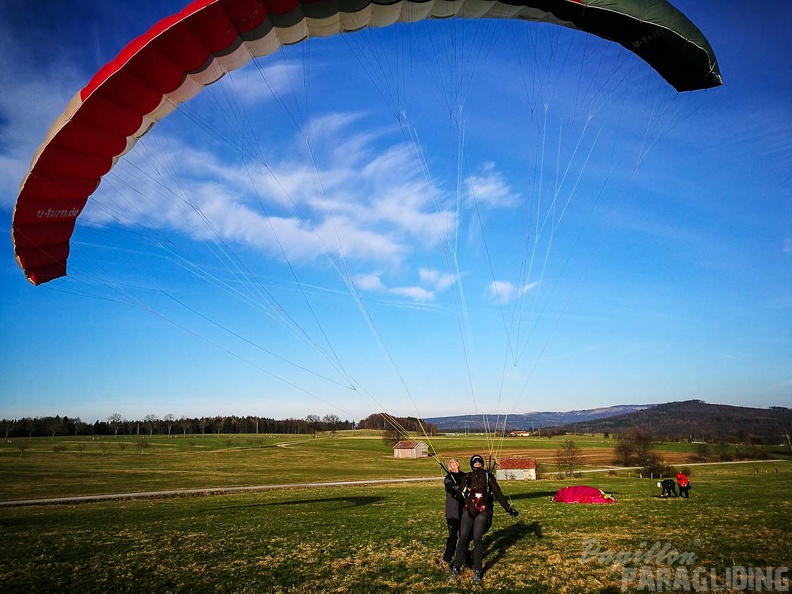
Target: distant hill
[[532, 420], [698, 420]]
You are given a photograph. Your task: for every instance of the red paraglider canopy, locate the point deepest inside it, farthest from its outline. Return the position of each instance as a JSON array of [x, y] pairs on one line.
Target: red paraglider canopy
[[582, 494], [185, 52]]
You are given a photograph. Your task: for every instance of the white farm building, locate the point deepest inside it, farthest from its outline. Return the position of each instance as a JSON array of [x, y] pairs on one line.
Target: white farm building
[[516, 469]]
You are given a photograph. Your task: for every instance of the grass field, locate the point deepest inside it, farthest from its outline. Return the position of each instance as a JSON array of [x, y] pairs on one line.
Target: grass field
[[358, 539], [45, 467]]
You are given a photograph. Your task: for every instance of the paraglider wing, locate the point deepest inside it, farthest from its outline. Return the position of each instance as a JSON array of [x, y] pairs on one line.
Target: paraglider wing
[[582, 494], [183, 53]]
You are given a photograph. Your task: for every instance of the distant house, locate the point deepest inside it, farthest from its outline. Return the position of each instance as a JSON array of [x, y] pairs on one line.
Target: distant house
[[411, 449], [516, 469]]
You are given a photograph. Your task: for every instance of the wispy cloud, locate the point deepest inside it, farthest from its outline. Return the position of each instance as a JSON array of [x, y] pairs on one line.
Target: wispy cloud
[[430, 284], [507, 292], [27, 107], [440, 281], [370, 282], [489, 188], [371, 206], [414, 293]]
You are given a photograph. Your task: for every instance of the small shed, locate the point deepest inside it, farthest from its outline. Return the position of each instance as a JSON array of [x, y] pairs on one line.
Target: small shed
[[411, 449], [516, 469]]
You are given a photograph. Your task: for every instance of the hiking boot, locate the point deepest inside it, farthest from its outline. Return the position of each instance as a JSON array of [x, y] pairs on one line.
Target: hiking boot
[[454, 572], [477, 576]]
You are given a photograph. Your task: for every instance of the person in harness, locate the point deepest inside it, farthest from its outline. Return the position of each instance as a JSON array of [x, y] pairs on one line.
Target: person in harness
[[481, 490]]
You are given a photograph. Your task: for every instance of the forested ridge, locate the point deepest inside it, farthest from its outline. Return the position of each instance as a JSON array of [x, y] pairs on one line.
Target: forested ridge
[[697, 420]]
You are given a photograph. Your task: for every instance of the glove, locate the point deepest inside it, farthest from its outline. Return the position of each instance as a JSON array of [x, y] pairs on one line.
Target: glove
[[513, 512]]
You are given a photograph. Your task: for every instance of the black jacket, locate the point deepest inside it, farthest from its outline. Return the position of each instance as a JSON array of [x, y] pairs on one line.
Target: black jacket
[[475, 477], [454, 481]]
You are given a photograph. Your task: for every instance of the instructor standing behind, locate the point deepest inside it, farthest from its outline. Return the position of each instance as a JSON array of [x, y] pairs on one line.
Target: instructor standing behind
[[454, 504]]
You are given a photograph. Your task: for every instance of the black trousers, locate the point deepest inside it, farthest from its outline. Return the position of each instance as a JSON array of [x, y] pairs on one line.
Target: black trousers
[[474, 528], [451, 539]]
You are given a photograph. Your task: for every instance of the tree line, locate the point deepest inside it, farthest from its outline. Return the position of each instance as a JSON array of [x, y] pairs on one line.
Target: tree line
[[169, 425], [396, 428], [150, 425]]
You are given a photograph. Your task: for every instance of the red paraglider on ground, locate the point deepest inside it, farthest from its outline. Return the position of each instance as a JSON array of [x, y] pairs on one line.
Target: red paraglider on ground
[[582, 494]]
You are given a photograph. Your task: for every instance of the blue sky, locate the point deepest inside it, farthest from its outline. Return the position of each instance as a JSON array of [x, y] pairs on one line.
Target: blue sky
[[429, 221]]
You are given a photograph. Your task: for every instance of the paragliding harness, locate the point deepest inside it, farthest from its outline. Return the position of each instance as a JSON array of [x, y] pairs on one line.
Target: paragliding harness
[[478, 497]]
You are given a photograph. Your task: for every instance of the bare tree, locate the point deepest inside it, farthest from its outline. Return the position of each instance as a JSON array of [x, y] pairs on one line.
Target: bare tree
[[28, 425], [313, 421], [54, 424], [568, 457], [625, 451], [644, 442], [115, 421], [169, 420], [150, 422], [702, 451], [391, 436], [724, 452], [782, 418], [633, 447], [332, 421]]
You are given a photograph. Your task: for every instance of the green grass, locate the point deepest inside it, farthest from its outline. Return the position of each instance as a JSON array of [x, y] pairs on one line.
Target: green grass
[[121, 465], [68, 466], [350, 539], [372, 539]]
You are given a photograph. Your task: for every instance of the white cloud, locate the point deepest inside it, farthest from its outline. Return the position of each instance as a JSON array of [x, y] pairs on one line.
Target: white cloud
[[372, 206], [506, 292], [436, 279], [281, 77], [369, 282], [414, 293], [430, 283], [502, 290], [372, 282], [490, 189], [27, 108]]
